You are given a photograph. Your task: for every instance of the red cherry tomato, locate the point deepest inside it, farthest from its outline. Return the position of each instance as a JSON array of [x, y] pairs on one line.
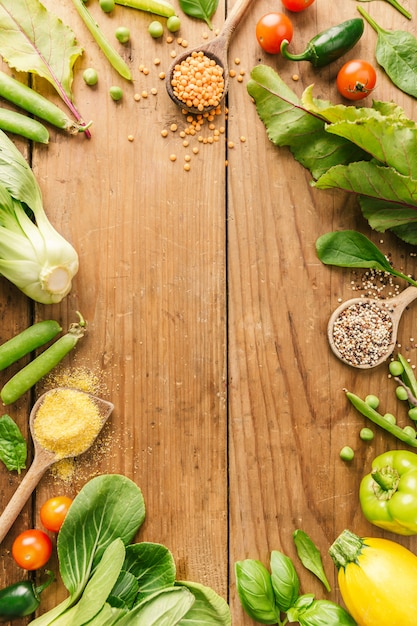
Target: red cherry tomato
[[32, 549], [296, 5], [356, 79], [272, 29], [53, 512]]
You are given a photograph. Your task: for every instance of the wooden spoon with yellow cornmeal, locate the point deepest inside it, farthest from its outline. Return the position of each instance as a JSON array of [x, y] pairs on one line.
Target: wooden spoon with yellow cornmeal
[[64, 423]]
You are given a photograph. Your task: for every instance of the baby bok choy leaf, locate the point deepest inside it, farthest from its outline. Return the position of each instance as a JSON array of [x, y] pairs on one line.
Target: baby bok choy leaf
[[33, 255]]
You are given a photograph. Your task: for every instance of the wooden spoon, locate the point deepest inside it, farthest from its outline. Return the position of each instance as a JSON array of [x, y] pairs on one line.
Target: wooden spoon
[[394, 307], [216, 49], [42, 460]]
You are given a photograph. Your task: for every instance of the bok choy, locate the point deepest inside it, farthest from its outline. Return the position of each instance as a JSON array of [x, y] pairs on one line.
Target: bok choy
[[33, 255]]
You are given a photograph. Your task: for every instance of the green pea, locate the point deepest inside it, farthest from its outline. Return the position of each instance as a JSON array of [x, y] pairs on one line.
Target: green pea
[[122, 34], [173, 24], [346, 453], [107, 5], [396, 368], [410, 431], [390, 418], [90, 76], [155, 29], [116, 93], [366, 434], [372, 401], [412, 413], [401, 393]]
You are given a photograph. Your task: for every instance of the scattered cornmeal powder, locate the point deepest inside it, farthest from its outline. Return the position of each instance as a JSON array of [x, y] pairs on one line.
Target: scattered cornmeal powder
[[67, 422]]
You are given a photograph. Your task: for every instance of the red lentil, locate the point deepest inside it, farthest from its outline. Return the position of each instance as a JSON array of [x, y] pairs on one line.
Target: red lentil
[[198, 81]]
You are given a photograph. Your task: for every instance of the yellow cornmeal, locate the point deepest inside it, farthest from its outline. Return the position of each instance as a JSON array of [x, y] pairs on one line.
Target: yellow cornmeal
[[67, 422]]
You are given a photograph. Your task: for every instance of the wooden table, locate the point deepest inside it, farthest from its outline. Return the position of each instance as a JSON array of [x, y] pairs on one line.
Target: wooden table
[[207, 306]]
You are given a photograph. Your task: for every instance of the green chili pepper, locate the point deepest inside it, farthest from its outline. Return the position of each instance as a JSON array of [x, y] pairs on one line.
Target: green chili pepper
[[328, 45], [388, 496], [21, 598], [380, 420]]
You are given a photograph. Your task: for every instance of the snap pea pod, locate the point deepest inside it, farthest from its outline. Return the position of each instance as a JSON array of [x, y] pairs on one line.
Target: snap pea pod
[[32, 373], [380, 420], [18, 124], [330, 44], [27, 341], [158, 7], [110, 53], [33, 102]]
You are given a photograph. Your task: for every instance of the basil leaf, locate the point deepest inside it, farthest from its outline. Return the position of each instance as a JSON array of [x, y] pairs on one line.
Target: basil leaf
[[310, 556], [200, 9], [13, 448], [300, 606], [255, 591], [325, 613], [285, 581]]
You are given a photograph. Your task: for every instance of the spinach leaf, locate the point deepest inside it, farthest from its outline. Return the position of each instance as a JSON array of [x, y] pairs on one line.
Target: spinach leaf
[[396, 53], [209, 609], [200, 9], [399, 7], [310, 556], [13, 448]]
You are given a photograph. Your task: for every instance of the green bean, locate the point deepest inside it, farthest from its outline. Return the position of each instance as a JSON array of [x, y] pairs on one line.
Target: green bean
[[33, 102], [380, 420], [158, 7], [28, 340], [18, 124], [28, 376], [110, 53]]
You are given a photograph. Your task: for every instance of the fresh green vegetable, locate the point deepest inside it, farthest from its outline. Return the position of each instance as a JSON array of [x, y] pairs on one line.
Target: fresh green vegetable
[[255, 591], [328, 45], [21, 599], [110, 53], [33, 256], [173, 24], [346, 453], [368, 151], [29, 375], [310, 556], [380, 420], [396, 5], [13, 448], [396, 53], [27, 341], [90, 76], [377, 578], [155, 29], [401, 393], [285, 581], [348, 248], [158, 7], [33, 39], [18, 124], [200, 9], [107, 5], [33, 102], [372, 400], [112, 581], [395, 368], [366, 434], [407, 378], [320, 613], [387, 494], [116, 93], [122, 34], [410, 431]]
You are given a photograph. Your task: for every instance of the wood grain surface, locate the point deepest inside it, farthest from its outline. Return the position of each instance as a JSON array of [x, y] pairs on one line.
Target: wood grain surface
[[207, 306]]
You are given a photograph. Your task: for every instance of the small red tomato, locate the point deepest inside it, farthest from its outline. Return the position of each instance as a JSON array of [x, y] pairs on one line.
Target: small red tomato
[[356, 79], [32, 549], [53, 512], [296, 5], [272, 29]]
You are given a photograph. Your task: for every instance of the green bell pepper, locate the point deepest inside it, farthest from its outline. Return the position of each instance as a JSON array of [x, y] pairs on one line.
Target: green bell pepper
[[388, 495]]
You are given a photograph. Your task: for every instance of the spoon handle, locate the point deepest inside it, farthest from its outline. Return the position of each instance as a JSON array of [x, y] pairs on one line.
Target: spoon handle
[[406, 297], [32, 477], [235, 15]]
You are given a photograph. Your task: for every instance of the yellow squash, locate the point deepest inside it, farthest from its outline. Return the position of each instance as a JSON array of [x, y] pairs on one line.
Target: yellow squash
[[377, 580]]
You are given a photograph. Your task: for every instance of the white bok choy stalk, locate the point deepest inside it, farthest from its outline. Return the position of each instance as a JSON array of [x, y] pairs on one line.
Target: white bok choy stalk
[[33, 255]]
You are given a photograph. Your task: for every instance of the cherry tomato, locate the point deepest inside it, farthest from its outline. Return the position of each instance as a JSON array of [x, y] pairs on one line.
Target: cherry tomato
[[271, 30], [53, 512], [32, 549], [296, 5], [356, 79]]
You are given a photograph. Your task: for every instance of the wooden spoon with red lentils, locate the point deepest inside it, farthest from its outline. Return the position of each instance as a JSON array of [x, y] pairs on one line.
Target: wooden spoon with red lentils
[[198, 80]]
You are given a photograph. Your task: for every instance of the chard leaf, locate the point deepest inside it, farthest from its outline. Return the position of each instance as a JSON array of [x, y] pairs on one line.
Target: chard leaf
[[200, 9], [290, 124], [13, 448], [153, 566], [209, 609]]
